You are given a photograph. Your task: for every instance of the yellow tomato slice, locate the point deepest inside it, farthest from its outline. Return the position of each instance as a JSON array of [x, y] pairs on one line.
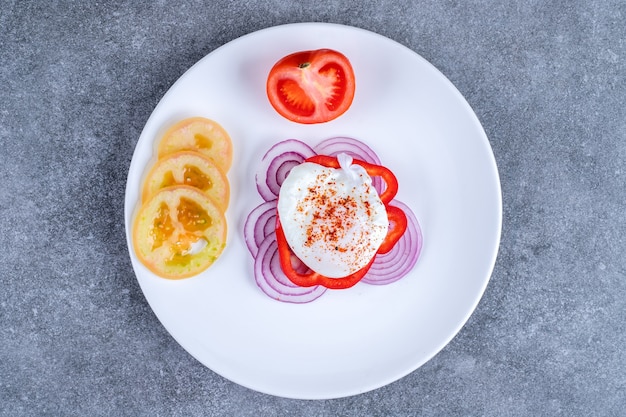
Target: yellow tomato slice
[[188, 168], [201, 135], [179, 232]]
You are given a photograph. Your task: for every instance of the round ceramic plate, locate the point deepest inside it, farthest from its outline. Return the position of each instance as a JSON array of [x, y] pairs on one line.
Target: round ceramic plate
[[351, 341]]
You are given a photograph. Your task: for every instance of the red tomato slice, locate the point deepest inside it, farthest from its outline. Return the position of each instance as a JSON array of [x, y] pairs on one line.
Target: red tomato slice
[[311, 86]]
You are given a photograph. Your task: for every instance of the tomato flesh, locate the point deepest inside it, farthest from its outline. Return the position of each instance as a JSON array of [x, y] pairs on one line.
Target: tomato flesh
[[191, 176], [192, 216], [179, 232], [188, 168], [336, 92], [202, 135], [162, 227], [311, 86], [295, 98]]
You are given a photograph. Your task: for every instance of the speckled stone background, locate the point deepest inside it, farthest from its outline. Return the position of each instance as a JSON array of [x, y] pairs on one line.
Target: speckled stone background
[[78, 80]]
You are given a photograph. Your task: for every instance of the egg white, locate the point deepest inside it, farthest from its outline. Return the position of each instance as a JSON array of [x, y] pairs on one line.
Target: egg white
[[333, 219]]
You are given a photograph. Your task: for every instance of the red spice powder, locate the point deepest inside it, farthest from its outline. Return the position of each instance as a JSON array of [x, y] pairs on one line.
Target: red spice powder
[[332, 217]]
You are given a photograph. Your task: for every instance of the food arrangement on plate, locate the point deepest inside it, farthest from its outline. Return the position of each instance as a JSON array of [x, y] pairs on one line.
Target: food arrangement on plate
[[422, 130], [329, 218], [180, 228]]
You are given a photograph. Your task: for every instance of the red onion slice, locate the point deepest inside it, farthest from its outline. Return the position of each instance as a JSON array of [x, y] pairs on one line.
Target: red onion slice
[[353, 147], [276, 164], [260, 223], [395, 264], [271, 279]]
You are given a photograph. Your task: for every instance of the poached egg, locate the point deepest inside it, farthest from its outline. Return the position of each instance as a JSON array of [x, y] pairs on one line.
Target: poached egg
[[332, 218]]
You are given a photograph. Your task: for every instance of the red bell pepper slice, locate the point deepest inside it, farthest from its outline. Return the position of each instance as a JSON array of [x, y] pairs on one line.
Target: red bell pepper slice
[[311, 278], [396, 217], [373, 170], [399, 223]]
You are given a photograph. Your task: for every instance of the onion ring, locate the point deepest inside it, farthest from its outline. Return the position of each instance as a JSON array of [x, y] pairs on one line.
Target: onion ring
[[356, 149], [353, 147], [276, 164], [271, 279], [395, 264], [259, 224]]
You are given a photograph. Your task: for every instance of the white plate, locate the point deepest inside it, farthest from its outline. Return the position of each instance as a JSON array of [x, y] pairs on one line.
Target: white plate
[[353, 341]]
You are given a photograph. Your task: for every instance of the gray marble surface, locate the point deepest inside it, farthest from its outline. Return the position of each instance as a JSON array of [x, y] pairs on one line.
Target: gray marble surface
[[78, 80]]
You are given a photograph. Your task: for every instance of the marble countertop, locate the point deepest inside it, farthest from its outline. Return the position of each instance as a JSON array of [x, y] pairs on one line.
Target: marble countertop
[[78, 81]]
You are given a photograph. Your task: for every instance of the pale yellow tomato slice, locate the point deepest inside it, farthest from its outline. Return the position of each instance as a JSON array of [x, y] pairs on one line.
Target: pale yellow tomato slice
[[188, 168], [179, 232], [201, 135]]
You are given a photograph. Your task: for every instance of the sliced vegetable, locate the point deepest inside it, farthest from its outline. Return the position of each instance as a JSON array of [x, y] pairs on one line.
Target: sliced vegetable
[[391, 183], [271, 279], [311, 86], [355, 148], [398, 224], [180, 227], [395, 215], [400, 260], [179, 232], [188, 168], [276, 165], [312, 278], [260, 223], [201, 135], [262, 231]]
